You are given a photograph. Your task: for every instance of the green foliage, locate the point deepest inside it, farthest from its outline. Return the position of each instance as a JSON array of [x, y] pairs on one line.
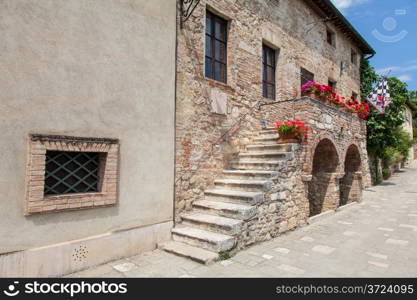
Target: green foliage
[[384, 129], [224, 255], [368, 77], [386, 173]]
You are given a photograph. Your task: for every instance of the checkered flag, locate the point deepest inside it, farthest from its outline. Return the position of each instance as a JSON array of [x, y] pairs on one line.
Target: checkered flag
[[380, 97]]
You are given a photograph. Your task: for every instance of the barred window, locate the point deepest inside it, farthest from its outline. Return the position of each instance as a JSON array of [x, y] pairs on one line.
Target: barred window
[[71, 172], [268, 72], [216, 48]]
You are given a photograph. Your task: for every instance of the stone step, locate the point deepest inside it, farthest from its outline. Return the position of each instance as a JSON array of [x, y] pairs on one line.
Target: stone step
[[269, 147], [249, 174], [225, 209], [265, 140], [268, 131], [266, 155], [244, 184], [233, 196], [208, 240], [271, 165], [266, 137], [194, 253], [212, 223]]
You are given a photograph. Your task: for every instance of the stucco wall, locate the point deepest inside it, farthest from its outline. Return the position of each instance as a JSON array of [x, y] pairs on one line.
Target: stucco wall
[[96, 68]]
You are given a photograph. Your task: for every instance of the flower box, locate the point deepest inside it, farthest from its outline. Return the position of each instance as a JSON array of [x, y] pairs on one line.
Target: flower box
[[293, 131]]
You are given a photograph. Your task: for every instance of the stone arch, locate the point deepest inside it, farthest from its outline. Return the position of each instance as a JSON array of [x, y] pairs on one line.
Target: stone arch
[[308, 166], [323, 189], [351, 183]]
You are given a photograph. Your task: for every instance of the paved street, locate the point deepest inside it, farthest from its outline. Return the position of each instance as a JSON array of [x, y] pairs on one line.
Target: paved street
[[376, 238]]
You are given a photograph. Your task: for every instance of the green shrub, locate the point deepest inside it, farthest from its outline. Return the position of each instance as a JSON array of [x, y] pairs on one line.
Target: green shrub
[[224, 255], [386, 173]]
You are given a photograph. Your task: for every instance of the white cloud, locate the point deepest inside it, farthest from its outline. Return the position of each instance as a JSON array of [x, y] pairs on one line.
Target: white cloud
[[344, 4], [405, 77], [397, 69]]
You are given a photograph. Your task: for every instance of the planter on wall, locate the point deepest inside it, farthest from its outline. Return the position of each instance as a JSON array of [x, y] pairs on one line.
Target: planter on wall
[[286, 138], [311, 95]]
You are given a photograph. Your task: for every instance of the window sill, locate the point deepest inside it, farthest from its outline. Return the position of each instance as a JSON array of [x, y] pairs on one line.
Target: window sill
[[215, 83]]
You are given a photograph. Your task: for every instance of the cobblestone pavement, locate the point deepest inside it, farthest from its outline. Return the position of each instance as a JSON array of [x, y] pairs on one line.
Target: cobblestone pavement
[[376, 238]]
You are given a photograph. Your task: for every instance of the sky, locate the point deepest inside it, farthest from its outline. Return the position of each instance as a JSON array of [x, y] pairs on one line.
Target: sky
[[390, 27]]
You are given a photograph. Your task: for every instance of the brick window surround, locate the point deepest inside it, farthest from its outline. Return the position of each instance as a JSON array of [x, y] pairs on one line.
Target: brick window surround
[[38, 202]]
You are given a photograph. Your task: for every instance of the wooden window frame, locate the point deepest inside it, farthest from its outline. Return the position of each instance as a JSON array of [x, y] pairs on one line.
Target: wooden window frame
[[266, 81], [210, 58], [304, 78]]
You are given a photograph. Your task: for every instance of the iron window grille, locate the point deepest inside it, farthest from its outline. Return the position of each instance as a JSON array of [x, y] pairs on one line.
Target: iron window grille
[[71, 172], [216, 48], [268, 72]]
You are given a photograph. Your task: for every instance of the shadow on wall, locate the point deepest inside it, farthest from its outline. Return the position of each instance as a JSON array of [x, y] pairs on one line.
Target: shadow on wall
[[322, 188], [351, 183]]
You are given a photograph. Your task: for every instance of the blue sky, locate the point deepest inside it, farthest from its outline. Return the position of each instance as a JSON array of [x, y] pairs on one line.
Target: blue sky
[[390, 27]]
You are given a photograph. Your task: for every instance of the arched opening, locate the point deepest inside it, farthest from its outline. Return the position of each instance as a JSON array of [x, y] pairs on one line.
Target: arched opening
[[351, 183], [323, 189]]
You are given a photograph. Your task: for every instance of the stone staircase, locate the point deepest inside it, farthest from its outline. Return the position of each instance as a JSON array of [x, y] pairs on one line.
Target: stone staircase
[[215, 222]]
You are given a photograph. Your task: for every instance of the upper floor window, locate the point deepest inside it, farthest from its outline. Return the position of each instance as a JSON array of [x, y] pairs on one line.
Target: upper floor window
[[332, 84], [354, 57], [216, 48], [306, 76], [331, 37], [268, 72]]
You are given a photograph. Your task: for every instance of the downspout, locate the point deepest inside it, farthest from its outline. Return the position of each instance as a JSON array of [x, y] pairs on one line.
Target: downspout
[[179, 4]]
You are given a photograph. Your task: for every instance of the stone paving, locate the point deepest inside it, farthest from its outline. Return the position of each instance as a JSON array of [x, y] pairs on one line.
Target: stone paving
[[376, 238]]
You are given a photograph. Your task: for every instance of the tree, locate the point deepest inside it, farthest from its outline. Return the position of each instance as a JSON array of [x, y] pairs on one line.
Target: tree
[[386, 139]]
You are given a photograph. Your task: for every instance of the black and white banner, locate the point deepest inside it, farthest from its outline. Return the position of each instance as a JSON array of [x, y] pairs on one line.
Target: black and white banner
[[380, 97]]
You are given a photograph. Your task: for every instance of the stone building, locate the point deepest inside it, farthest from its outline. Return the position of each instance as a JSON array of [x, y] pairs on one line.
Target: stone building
[[240, 65], [102, 100], [87, 149]]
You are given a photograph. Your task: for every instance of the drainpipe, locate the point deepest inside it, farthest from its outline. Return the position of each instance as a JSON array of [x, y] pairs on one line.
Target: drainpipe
[[179, 5]]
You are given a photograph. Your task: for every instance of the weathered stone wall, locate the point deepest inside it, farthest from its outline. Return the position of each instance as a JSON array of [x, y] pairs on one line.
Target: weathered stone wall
[[325, 122], [323, 192], [206, 141], [284, 207]]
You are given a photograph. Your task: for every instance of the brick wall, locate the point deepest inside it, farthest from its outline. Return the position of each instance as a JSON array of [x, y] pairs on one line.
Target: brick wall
[[37, 202]]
